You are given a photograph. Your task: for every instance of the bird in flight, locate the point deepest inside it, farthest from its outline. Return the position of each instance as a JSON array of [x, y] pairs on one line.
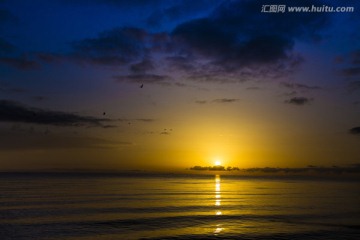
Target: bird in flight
[[142, 85]]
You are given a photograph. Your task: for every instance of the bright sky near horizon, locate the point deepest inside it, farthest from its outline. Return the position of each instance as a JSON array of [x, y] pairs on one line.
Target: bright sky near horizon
[[106, 84]]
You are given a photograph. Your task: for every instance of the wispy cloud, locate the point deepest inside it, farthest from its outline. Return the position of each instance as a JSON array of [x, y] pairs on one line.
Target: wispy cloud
[[22, 62], [299, 86], [11, 56], [351, 71], [292, 93], [6, 88], [218, 100], [355, 131], [145, 79], [354, 86], [6, 47], [355, 56], [115, 47], [39, 98], [225, 100], [201, 101], [142, 67], [7, 16], [299, 101], [19, 140], [11, 111], [146, 120]]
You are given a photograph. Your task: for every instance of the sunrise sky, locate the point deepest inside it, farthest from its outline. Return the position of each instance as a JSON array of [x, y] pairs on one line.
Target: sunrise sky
[[106, 84]]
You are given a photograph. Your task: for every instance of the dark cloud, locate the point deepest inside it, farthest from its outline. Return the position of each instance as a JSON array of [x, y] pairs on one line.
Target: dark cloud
[[219, 100], [144, 120], [6, 16], [227, 38], [15, 112], [355, 131], [355, 57], [6, 47], [127, 46], [20, 140], [299, 101], [293, 93], [238, 14], [114, 47], [308, 170], [181, 63], [39, 98], [6, 88], [109, 126], [179, 84], [339, 59], [205, 37], [21, 63], [225, 100], [142, 67], [49, 57], [351, 72], [145, 79], [354, 86], [220, 46], [208, 76], [299, 86]]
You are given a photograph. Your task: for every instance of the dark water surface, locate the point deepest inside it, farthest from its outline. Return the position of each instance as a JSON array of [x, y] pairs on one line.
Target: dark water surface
[[85, 206]]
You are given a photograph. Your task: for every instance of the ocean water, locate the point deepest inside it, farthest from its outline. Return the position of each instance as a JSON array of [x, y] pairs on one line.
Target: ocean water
[[101, 206]]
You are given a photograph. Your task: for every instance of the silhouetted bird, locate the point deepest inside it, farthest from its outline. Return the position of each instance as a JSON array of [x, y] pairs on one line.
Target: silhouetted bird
[[104, 113], [142, 85]]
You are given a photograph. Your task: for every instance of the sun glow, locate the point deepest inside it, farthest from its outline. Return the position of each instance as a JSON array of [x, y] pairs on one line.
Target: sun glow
[[217, 162]]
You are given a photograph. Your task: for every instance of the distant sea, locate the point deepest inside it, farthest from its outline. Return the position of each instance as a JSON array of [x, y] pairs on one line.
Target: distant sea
[[81, 206]]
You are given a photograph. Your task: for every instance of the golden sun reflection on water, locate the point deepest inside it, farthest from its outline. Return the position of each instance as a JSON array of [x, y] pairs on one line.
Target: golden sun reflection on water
[[218, 212], [217, 187], [217, 191], [218, 229]]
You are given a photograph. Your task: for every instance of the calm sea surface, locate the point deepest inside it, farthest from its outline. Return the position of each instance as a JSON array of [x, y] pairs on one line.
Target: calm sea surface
[[85, 206]]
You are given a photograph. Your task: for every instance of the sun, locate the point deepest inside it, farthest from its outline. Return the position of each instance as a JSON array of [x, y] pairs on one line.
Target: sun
[[217, 162]]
